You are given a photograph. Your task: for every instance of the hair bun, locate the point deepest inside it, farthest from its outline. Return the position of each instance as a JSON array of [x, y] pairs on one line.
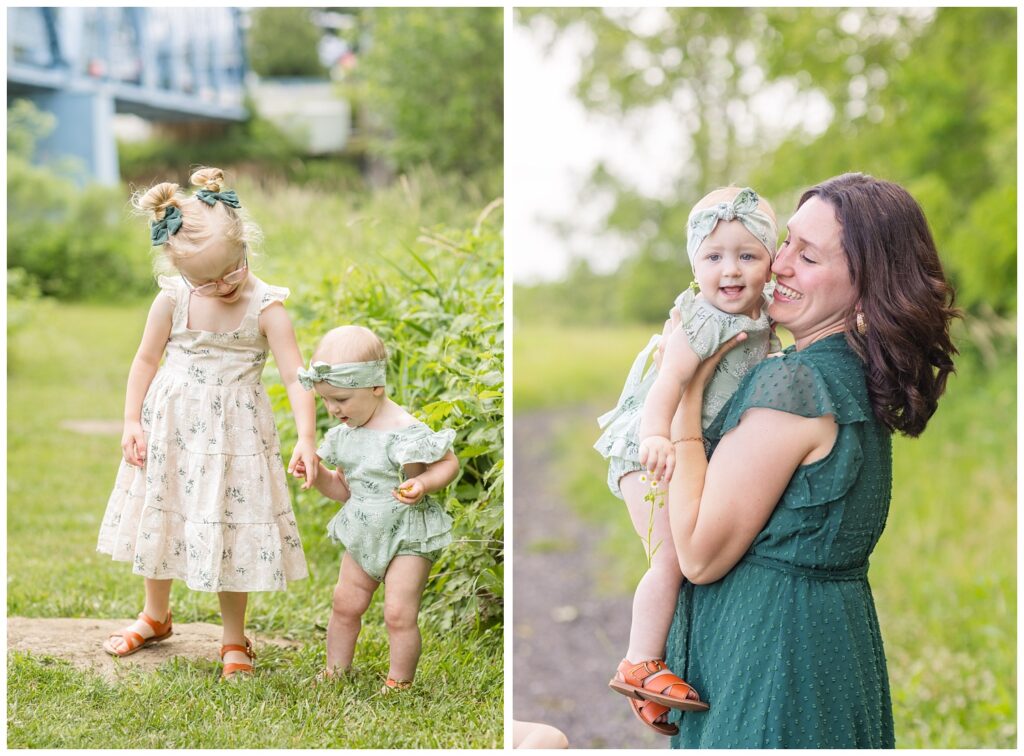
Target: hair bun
[[208, 178], [158, 198]]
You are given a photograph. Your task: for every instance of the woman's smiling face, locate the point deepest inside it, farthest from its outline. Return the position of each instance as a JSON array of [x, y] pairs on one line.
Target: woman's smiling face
[[814, 293]]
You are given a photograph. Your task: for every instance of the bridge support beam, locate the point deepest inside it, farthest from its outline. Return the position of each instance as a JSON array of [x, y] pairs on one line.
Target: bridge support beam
[[84, 130]]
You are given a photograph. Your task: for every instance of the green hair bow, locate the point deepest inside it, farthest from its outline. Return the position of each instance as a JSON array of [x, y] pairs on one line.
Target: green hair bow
[[229, 197], [162, 230]]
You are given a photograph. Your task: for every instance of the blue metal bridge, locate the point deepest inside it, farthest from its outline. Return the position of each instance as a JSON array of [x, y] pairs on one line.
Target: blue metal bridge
[[84, 65]]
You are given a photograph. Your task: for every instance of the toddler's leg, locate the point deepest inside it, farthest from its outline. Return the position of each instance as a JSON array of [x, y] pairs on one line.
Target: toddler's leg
[[403, 588], [232, 609], [352, 596], [654, 601], [158, 601]]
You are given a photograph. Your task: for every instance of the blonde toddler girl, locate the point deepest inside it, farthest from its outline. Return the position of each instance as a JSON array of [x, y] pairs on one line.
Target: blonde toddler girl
[[386, 464], [731, 235], [201, 494]]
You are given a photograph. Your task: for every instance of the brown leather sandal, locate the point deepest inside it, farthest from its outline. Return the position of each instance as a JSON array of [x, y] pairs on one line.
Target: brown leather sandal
[[393, 684], [648, 712], [653, 681], [134, 642], [233, 668]]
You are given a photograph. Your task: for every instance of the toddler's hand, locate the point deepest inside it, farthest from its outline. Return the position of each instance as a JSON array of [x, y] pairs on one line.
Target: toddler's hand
[[658, 456], [133, 444], [304, 455], [409, 492]]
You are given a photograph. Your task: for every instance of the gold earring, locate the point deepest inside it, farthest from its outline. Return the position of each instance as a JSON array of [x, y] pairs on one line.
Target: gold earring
[[862, 324]]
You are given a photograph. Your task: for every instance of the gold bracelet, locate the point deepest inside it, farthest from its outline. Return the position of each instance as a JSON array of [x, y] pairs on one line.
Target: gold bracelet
[[688, 438]]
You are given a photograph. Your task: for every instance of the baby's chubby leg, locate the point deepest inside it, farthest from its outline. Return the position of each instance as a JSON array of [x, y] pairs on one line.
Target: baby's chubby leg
[[654, 601], [352, 597], [403, 588]]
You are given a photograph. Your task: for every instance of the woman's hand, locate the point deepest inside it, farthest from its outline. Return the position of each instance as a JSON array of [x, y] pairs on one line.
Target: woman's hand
[[133, 444], [304, 462]]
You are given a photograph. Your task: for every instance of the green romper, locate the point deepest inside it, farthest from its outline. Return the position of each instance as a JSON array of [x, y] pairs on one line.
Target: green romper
[[706, 328], [786, 647], [373, 526]]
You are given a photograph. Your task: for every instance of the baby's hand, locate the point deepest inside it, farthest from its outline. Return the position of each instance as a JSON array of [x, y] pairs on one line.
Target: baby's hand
[[658, 456], [133, 444], [409, 492]]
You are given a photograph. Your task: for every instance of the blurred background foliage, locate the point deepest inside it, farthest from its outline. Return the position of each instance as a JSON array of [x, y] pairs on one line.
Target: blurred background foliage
[[283, 42], [926, 98], [455, 127]]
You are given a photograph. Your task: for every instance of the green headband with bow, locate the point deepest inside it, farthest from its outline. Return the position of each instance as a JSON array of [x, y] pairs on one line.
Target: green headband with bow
[[744, 208], [345, 374]]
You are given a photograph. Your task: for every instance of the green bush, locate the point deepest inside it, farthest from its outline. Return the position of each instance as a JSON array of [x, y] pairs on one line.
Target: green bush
[[283, 42], [433, 77], [73, 242], [438, 307]]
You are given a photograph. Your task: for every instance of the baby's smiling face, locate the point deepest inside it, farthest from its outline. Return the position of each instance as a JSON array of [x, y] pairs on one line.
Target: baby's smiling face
[[732, 267]]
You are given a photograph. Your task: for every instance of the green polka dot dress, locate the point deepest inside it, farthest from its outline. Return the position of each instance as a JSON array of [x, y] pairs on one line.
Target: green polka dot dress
[[786, 647]]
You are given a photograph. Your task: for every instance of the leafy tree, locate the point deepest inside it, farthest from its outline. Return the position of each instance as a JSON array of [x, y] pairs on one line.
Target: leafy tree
[[926, 98], [433, 78], [283, 42]]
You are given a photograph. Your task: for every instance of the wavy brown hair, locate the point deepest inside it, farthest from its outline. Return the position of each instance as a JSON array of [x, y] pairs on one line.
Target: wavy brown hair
[[904, 295]]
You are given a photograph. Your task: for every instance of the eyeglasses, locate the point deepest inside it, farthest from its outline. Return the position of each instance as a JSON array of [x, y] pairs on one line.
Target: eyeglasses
[[232, 278]]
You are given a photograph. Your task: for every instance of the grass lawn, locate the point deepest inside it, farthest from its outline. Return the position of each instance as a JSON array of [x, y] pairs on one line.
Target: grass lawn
[[943, 574], [70, 362]]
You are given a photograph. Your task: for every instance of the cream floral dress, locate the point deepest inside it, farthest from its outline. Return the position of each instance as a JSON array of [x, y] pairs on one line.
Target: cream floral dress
[[706, 328], [211, 506], [372, 525]]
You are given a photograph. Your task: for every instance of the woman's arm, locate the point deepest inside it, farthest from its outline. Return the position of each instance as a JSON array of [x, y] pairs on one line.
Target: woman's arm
[[425, 479], [277, 326], [716, 509], [678, 364], [140, 376]]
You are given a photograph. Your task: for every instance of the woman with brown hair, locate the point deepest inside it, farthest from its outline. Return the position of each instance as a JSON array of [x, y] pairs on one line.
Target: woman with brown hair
[[776, 625]]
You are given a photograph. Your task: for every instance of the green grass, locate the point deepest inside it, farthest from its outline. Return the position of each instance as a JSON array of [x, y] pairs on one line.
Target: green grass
[[943, 574], [70, 361], [555, 366], [456, 702]]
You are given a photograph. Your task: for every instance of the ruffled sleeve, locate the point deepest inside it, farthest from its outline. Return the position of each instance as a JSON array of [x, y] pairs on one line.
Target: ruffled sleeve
[[327, 451], [824, 379], [273, 294], [804, 384], [420, 444], [169, 286]]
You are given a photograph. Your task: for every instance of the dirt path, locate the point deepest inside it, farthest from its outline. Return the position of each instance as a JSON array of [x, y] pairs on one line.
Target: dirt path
[[79, 641], [566, 641]]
